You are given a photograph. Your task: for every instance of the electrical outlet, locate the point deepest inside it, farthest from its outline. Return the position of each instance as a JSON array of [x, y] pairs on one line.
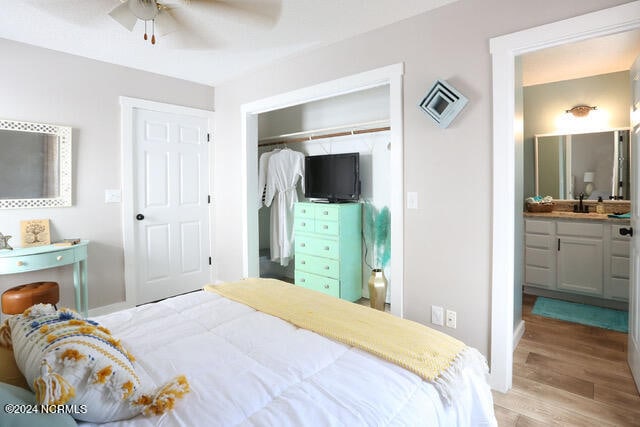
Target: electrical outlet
[[451, 319], [437, 315]]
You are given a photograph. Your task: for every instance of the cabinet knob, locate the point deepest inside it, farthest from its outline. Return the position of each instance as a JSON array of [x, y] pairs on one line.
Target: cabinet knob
[[324, 227], [59, 257], [303, 224], [304, 211], [326, 248], [325, 212], [326, 267], [326, 286], [302, 280], [139, 217], [303, 262], [303, 245], [20, 263]]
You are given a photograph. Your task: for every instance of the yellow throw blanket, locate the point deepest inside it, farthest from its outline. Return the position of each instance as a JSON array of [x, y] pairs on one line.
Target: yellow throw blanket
[[415, 347]]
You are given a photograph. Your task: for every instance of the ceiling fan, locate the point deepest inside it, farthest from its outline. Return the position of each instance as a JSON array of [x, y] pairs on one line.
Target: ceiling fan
[[160, 15], [128, 12]]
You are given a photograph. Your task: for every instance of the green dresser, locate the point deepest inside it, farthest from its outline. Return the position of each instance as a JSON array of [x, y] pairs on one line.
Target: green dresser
[[328, 249]]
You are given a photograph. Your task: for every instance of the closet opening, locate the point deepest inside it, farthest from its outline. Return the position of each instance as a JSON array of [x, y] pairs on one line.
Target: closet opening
[[357, 116]]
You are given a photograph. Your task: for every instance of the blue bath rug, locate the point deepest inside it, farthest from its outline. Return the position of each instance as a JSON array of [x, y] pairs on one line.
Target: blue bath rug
[[601, 317]]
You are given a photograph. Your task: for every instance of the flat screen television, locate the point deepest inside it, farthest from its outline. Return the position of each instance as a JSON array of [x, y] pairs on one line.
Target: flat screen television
[[332, 177]]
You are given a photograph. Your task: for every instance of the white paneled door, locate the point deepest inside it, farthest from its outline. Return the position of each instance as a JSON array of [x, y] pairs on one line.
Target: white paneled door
[[634, 282], [171, 225]]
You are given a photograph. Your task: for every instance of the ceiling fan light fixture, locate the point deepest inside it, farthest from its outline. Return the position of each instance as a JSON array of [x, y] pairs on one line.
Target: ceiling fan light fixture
[[124, 16]]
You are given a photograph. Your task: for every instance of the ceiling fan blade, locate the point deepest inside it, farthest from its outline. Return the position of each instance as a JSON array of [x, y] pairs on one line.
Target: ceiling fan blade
[[123, 16], [166, 23], [264, 12]]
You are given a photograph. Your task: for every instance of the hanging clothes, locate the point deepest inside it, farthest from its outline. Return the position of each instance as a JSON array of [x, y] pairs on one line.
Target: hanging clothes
[[263, 164], [284, 169]]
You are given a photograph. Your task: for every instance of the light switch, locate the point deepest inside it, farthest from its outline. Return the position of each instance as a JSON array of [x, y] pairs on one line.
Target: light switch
[[112, 196], [412, 200]]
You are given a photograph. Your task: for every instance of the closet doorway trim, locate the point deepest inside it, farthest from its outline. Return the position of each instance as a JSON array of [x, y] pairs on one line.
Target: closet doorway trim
[[390, 75]]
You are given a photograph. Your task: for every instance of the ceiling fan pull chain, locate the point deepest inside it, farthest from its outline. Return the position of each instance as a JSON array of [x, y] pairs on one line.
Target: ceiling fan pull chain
[[153, 31], [145, 30]]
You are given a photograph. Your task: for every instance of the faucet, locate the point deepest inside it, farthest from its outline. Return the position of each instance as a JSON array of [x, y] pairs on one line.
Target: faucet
[[581, 206]]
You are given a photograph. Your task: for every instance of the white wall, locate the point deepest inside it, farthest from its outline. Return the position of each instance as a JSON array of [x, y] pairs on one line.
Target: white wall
[[41, 85], [357, 107], [448, 239]]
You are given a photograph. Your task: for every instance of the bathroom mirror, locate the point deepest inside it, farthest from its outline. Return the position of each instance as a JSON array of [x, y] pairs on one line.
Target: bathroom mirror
[[35, 165], [595, 164]]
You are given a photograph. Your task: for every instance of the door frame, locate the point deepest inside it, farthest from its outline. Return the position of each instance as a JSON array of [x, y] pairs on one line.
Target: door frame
[[504, 50], [127, 107], [390, 75]]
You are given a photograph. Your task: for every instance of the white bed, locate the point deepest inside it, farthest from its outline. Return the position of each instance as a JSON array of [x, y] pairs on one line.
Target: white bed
[[252, 369]]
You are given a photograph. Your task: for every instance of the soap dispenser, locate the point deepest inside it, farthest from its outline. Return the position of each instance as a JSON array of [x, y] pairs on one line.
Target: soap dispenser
[[600, 206]]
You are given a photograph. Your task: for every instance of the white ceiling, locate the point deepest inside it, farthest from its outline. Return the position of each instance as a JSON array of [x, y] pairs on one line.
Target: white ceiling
[[581, 59], [224, 40]]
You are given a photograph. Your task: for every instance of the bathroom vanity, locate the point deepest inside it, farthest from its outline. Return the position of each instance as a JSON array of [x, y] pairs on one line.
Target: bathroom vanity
[[577, 254]]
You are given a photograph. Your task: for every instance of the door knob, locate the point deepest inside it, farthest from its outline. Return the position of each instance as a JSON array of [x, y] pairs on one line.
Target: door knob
[[624, 231], [139, 217]]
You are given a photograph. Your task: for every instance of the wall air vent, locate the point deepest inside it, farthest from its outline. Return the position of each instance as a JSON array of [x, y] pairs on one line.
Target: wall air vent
[[443, 103]]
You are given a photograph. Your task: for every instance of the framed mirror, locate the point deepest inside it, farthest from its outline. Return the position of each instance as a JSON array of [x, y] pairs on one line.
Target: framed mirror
[[35, 165], [595, 164]]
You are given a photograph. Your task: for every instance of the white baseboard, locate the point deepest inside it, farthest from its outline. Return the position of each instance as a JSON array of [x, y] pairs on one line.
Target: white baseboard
[[518, 332], [108, 309]]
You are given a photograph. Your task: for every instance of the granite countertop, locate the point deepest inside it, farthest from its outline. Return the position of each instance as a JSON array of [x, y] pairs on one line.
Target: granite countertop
[[591, 216]]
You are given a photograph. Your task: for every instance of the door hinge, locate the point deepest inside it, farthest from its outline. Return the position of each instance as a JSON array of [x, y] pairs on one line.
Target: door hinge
[[209, 260]]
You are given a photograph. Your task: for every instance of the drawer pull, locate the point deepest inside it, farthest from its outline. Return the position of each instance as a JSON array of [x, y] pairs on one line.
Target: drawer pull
[[303, 262], [302, 280], [325, 212], [303, 245], [304, 224], [304, 211], [20, 263], [59, 257], [326, 286], [326, 248], [324, 227], [326, 267]]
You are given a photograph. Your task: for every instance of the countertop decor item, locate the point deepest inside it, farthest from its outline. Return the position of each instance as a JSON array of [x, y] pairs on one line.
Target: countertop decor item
[[4, 242]]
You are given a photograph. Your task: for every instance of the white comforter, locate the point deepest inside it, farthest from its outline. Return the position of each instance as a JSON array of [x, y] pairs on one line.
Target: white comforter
[[251, 369]]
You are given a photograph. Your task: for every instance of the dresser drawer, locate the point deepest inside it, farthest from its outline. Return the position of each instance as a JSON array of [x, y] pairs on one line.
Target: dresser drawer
[[36, 262], [327, 228], [318, 283], [318, 265], [327, 212], [304, 224], [620, 248], [307, 244], [615, 233], [304, 210]]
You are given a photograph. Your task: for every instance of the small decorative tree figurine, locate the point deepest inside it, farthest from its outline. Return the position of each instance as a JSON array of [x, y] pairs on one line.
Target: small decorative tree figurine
[[377, 236]]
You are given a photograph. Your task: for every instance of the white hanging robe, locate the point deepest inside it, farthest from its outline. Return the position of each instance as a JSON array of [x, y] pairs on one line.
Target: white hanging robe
[[284, 169], [263, 165]]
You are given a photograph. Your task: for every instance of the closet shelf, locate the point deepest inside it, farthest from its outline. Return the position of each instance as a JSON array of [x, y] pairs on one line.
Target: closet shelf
[[330, 132]]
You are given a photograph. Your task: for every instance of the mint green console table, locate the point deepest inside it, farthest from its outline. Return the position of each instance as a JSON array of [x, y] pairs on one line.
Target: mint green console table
[[21, 260], [328, 248]]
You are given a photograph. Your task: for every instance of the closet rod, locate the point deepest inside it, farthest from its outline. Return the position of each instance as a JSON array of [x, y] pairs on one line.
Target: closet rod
[[326, 135]]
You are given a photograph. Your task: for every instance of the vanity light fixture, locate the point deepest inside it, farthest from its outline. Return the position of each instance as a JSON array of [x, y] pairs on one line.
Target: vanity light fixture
[[580, 110]]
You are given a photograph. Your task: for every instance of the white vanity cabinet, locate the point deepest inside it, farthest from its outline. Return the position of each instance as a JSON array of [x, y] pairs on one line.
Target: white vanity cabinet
[[577, 256]]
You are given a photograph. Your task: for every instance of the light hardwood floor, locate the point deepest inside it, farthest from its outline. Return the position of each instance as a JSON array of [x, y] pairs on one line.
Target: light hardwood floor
[[568, 374]]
